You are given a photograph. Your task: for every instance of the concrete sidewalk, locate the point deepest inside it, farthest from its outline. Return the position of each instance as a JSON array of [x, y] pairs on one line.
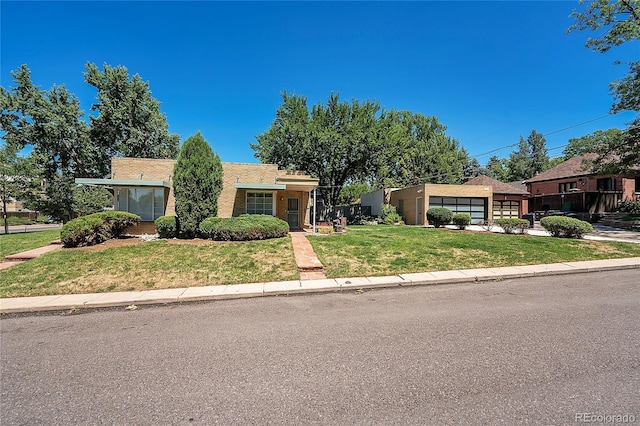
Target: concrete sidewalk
[[192, 294]]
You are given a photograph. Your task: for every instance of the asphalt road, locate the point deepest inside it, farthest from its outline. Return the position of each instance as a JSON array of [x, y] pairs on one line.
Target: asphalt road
[[18, 229], [534, 351]]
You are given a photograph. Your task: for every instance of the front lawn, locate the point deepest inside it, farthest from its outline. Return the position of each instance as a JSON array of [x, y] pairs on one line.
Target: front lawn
[[16, 243], [130, 264], [127, 265], [390, 250]]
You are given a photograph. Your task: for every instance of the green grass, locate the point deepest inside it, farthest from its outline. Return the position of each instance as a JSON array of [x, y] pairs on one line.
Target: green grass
[[16, 243], [12, 221], [126, 265], [390, 250], [151, 265]]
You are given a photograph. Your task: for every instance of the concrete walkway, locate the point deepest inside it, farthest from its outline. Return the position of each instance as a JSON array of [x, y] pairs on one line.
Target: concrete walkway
[[193, 294], [16, 259]]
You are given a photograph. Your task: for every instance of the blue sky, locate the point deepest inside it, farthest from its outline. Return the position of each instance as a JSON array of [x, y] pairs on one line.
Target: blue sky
[[490, 71]]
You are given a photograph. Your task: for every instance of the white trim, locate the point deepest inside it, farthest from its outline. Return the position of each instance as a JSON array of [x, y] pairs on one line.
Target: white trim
[[273, 200]]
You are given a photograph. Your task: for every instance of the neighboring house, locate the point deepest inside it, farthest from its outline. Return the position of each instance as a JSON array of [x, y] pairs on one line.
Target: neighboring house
[[570, 186], [376, 199], [508, 200], [144, 186], [412, 203]]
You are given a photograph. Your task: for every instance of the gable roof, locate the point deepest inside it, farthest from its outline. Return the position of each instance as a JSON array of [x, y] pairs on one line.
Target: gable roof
[[498, 187], [571, 168]]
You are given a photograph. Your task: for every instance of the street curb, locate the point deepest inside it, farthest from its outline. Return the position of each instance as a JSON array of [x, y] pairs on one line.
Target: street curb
[[252, 290]]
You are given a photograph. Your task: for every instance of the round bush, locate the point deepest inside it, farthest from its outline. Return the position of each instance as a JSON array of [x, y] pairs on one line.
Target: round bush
[[118, 221], [167, 226], [84, 231], [513, 225], [243, 228], [461, 220], [566, 227], [439, 216], [96, 228]]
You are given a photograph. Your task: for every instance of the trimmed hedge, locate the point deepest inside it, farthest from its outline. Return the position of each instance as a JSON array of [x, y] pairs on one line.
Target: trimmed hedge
[[167, 226], [565, 227], [244, 228], [96, 228], [513, 225], [117, 221], [461, 220], [439, 216]]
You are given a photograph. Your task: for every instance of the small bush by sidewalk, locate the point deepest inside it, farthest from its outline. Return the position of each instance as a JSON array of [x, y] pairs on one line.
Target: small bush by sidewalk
[[513, 225]]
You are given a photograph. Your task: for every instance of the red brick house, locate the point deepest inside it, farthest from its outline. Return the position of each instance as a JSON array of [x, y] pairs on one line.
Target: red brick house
[[572, 187], [508, 201]]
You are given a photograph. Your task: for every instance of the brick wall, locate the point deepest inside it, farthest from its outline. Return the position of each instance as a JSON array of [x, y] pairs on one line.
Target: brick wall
[[232, 201], [410, 197]]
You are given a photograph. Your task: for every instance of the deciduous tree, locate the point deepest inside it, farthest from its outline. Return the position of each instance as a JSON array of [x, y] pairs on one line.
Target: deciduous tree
[[17, 179], [617, 22], [128, 122], [332, 141]]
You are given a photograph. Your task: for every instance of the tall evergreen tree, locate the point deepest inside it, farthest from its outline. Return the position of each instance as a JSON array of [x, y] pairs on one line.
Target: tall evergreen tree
[[497, 168], [539, 153], [197, 183], [530, 159]]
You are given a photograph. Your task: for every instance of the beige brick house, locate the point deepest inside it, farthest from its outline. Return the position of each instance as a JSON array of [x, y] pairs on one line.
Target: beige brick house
[[412, 203], [144, 186]]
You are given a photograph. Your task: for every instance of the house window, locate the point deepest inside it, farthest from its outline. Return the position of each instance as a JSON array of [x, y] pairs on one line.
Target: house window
[[148, 203], [400, 207], [604, 184], [260, 203], [567, 186]]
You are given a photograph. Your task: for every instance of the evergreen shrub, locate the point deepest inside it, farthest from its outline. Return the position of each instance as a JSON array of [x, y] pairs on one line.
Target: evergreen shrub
[[197, 183], [96, 228], [244, 228], [167, 226], [461, 220], [566, 227], [439, 216], [513, 225]]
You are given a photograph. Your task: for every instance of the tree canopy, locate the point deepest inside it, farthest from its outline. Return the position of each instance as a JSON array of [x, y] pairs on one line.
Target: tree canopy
[[331, 142], [617, 22], [344, 142], [64, 146], [129, 122]]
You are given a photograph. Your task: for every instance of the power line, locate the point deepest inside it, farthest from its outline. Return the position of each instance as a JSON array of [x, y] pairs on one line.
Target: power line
[[545, 134]]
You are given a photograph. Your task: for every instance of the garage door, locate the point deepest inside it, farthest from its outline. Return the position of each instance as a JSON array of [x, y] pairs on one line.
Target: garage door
[[505, 209], [474, 207]]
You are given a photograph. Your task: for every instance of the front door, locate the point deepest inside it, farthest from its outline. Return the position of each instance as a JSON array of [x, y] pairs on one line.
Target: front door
[[293, 213], [419, 211]]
